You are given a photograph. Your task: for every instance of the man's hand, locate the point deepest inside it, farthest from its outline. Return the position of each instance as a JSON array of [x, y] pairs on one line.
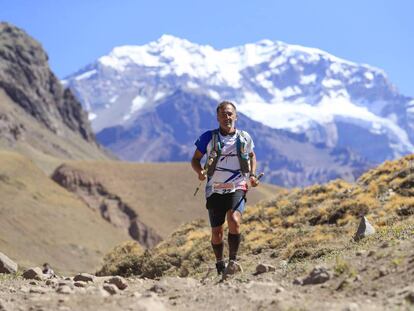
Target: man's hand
[[254, 181], [202, 175]]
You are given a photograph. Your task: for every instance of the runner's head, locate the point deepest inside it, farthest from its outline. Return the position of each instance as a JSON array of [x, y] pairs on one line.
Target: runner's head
[[226, 116]]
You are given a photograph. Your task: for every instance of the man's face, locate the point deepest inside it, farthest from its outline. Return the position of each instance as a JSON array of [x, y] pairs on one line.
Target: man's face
[[226, 117]]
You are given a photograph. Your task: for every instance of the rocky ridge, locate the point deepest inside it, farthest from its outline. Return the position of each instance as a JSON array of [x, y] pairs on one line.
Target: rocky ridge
[[39, 118], [109, 205], [25, 76]]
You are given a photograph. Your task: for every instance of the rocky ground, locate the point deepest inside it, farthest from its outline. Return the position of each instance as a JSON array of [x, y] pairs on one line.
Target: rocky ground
[[365, 277]]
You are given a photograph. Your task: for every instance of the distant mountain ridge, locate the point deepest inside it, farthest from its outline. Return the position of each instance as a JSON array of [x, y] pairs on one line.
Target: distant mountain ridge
[[299, 89]]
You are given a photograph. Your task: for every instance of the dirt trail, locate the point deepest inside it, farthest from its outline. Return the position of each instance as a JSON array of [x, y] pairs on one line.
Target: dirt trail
[[379, 278]]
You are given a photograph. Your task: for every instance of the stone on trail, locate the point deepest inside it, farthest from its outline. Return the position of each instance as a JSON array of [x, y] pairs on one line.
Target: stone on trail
[[410, 297], [318, 275], [111, 288], [7, 265], [84, 277], [33, 274], [364, 229], [65, 289], [52, 283], [159, 289], [80, 284], [118, 281], [38, 290], [65, 283], [382, 271], [262, 268], [352, 307]]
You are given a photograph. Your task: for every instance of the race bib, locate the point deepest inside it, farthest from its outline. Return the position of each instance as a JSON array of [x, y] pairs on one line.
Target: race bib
[[229, 186]]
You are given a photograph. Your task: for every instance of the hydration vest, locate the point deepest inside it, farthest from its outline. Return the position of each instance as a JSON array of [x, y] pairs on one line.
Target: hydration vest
[[215, 153]]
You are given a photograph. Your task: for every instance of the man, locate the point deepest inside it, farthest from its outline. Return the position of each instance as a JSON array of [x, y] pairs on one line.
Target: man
[[230, 163]]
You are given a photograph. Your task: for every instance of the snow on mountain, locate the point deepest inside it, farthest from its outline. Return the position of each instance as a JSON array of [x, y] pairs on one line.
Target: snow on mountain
[[300, 89], [171, 55]]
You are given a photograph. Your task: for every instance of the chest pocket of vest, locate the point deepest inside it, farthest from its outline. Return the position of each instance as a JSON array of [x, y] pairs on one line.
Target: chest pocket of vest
[[242, 153], [215, 153]]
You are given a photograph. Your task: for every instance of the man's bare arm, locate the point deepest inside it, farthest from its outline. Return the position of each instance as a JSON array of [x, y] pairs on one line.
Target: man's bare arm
[[253, 180], [196, 164]]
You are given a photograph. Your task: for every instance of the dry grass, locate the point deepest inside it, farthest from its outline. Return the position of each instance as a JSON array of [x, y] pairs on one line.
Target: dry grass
[[186, 250], [121, 258]]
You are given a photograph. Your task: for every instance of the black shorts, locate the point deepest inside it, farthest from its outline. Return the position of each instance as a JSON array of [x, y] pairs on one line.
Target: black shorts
[[219, 204]]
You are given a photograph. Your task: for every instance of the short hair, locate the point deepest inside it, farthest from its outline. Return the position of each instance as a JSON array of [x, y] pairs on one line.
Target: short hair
[[225, 103]]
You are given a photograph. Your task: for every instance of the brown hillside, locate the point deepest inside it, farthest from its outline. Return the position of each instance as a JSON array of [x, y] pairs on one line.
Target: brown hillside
[[161, 194], [42, 222]]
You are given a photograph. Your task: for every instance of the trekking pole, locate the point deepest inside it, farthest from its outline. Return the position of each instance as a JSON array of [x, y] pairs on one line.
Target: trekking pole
[[259, 176], [199, 185]]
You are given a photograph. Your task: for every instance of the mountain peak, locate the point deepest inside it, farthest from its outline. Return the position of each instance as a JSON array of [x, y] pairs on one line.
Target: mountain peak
[[174, 55], [167, 39]]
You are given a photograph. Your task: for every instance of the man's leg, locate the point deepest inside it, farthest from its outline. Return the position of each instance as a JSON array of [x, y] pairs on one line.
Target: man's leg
[[217, 242], [217, 217], [218, 247], [233, 221]]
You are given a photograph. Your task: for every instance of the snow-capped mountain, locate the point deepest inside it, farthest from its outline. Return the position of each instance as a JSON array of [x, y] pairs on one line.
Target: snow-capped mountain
[[334, 102]]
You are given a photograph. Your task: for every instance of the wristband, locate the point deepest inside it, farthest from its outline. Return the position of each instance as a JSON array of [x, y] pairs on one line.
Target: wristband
[[253, 175]]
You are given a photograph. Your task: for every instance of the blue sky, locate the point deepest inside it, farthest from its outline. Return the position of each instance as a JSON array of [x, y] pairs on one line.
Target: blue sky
[[75, 33]]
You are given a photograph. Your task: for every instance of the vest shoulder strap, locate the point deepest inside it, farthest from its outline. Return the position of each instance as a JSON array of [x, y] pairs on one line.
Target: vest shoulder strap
[[216, 141], [214, 154]]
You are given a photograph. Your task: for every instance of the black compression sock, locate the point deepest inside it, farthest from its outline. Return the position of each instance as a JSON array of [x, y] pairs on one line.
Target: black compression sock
[[218, 250], [234, 242]]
